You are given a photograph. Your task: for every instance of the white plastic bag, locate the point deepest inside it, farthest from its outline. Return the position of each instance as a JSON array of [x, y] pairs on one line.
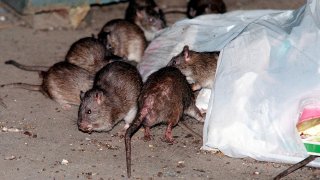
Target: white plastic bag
[[258, 94], [268, 66], [205, 33]]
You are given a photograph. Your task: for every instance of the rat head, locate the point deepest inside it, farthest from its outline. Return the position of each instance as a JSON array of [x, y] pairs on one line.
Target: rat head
[[106, 39], [199, 7], [150, 18], [182, 60], [94, 112]]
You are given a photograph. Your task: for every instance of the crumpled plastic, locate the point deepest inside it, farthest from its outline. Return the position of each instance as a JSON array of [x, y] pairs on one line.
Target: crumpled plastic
[[267, 70]]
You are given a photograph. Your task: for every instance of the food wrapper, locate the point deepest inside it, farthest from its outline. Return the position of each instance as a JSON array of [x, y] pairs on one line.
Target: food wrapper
[[309, 129]]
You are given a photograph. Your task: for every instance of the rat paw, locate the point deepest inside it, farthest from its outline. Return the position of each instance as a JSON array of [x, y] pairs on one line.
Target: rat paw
[[121, 133], [147, 138], [168, 140]]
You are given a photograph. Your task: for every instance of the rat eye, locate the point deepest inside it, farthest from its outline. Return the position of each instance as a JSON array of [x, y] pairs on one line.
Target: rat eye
[[151, 19], [89, 111]]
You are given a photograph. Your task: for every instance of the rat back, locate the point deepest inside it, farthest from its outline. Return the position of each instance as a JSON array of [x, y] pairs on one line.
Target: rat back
[[164, 97], [88, 53], [198, 67], [119, 75], [165, 94], [112, 98], [63, 82], [147, 15], [124, 39]]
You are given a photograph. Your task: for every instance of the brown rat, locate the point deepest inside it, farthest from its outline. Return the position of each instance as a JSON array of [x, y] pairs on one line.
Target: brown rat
[[63, 83], [199, 67], [165, 97], [199, 7], [113, 98], [147, 15], [123, 38], [88, 53]]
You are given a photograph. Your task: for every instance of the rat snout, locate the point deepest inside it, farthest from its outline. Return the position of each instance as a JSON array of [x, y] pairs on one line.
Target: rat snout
[[85, 126]]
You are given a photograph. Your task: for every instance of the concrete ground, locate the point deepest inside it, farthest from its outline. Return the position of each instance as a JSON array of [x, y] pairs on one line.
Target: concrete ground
[[39, 140]]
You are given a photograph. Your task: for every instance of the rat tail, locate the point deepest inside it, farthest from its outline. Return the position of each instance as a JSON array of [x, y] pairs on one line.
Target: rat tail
[[130, 131], [184, 126], [295, 167], [27, 68], [30, 87]]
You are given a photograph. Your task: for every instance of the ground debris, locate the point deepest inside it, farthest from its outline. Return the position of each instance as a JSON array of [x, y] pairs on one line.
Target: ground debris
[[5, 129], [211, 151], [181, 164], [30, 134], [101, 145], [256, 173], [88, 175], [64, 162], [199, 170], [276, 165], [10, 158]]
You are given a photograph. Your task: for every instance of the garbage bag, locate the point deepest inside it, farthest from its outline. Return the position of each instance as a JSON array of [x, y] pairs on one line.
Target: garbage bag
[[267, 69]]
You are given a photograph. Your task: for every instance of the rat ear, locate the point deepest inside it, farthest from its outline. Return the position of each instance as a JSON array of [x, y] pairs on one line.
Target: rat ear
[[98, 97], [216, 56], [139, 14], [192, 12], [103, 37], [157, 9], [208, 9], [186, 53], [82, 95]]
